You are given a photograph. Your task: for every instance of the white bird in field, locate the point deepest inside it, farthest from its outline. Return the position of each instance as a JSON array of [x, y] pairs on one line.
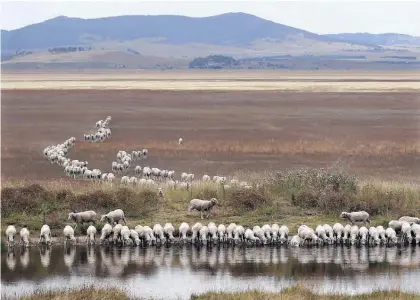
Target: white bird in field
[[180, 141]]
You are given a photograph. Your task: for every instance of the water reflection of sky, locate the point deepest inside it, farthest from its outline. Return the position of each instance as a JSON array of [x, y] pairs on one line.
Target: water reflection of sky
[[181, 271]]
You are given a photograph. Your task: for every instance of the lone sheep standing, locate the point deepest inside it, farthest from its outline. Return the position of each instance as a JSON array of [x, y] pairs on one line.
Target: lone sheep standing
[[114, 216], [202, 205], [83, 217], [357, 216]]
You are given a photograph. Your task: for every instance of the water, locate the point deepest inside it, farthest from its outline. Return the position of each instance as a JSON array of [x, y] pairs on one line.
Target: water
[[178, 271]]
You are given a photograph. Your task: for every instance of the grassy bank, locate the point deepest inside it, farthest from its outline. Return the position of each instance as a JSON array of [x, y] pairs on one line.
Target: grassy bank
[[301, 293], [302, 196], [293, 293], [90, 293]]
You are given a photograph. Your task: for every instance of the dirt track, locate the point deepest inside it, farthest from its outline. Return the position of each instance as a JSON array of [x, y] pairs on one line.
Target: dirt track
[[371, 134]]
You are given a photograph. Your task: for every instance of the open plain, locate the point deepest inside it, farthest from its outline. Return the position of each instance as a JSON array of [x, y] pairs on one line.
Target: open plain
[[372, 134]]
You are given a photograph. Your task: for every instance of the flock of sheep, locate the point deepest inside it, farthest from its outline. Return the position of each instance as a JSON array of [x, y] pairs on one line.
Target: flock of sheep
[[125, 162], [116, 233]]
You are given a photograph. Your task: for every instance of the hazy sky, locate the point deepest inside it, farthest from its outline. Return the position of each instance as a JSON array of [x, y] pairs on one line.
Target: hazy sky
[[317, 16]]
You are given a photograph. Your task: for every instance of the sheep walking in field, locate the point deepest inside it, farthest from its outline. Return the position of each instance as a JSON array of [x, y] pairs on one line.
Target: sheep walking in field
[[83, 217], [202, 206], [114, 216], [410, 220], [357, 216]]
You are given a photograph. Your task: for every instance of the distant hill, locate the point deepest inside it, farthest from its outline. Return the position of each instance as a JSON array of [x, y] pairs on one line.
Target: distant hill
[[384, 39], [231, 29], [175, 41]]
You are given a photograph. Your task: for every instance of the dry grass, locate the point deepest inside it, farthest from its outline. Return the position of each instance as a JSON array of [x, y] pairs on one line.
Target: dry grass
[[301, 293], [294, 293], [289, 198], [223, 80], [85, 293]]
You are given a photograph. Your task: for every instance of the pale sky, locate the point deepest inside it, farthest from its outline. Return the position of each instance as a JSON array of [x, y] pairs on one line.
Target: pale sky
[[321, 17]]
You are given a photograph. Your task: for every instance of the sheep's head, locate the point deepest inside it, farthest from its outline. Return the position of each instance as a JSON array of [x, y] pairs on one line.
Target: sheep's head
[[214, 201], [344, 215], [71, 216], [103, 218]]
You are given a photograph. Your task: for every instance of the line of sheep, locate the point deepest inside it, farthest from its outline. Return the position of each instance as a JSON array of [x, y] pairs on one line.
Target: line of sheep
[[102, 133], [350, 234]]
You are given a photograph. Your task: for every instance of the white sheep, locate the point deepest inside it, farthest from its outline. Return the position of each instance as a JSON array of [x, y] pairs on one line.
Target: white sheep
[[374, 236], [160, 193], [68, 233], [125, 235], [10, 233], [168, 229], [406, 232], [391, 235], [229, 230], [202, 206], [239, 234], [283, 234], [183, 231], [24, 236], [82, 217], [45, 235], [206, 178], [330, 232], [415, 228], [212, 231], [410, 220], [260, 234], [356, 216], [396, 225], [116, 233], [321, 234], [338, 230], [307, 235], [159, 234], [381, 233], [296, 241], [195, 231], [204, 232], [180, 141], [135, 237], [184, 185], [105, 232], [114, 216], [267, 232], [275, 230], [221, 231], [363, 235], [346, 233], [91, 232], [354, 232], [250, 237]]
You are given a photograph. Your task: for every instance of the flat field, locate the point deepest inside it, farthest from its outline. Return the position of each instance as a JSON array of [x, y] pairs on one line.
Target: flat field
[[372, 134], [227, 80]]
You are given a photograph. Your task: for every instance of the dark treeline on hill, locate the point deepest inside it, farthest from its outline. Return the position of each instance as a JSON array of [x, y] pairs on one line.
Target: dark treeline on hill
[[68, 49], [214, 62]]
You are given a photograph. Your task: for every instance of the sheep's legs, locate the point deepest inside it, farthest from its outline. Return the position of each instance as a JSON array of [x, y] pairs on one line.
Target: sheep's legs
[[201, 215]]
